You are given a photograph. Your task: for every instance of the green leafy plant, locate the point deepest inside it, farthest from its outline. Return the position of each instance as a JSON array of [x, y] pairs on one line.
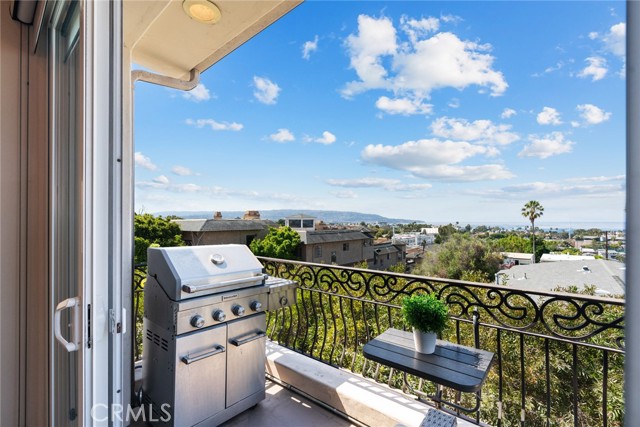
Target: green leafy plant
[[425, 312]]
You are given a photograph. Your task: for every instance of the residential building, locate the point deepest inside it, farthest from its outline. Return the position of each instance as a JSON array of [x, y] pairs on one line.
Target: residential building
[[607, 276], [301, 222], [564, 257], [218, 231], [340, 247], [517, 258], [387, 254]]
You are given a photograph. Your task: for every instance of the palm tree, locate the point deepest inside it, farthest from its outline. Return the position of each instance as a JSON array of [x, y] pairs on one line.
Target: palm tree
[[533, 210]]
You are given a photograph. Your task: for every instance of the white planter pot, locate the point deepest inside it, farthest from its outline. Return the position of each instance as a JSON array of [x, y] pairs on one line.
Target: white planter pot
[[425, 342]]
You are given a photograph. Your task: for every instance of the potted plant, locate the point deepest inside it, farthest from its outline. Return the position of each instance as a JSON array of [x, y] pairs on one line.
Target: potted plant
[[428, 317]]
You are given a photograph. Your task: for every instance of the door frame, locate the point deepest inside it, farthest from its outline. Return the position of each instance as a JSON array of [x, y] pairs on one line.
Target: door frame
[[102, 383]]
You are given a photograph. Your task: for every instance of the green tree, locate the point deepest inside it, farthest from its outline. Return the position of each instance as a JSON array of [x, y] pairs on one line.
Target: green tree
[[513, 243], [533, 210], [458, 257], [154, 231], [281, 242], [444, 232]]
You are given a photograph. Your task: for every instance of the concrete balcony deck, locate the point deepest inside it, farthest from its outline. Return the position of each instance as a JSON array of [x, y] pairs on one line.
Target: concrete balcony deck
[[286, 409]]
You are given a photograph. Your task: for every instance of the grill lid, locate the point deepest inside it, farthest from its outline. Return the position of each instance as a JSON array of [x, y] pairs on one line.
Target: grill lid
[[191, 271]]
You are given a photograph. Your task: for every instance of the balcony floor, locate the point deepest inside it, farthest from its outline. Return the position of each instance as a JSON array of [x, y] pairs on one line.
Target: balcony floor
[[284, 408]]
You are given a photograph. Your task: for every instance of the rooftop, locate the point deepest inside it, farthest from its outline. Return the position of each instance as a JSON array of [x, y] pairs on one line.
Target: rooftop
[[326, 236], [608, 276], [200, 225]]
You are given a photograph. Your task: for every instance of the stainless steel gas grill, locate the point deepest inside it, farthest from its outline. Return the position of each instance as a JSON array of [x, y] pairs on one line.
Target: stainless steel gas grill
[[204, 332]]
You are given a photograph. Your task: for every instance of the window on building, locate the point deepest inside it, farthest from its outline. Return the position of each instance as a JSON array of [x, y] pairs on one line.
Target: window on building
[[317, 251], [295, 223], [307, 223], [334, 257], [345, 246]]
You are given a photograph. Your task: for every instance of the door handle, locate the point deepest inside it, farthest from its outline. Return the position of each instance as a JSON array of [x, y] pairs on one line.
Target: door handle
[[64, 305], [189, 360], [243, 341]]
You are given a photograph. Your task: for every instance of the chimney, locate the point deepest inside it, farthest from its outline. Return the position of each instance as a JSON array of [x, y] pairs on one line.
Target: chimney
[[251, 215], [217, 215]]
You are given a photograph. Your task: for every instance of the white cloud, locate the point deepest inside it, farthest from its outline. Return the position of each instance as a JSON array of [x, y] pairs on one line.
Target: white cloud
[[214, 125], [598, 178], [596, 69], [161, 179], [327, 138], [404, 106], [376, 37], [384, 183], [266, 91], [416, 28], [162, 183], [434, 159], [554, 189], [454, 103], [283, 135], [182, 171], [549, 116], [592, 115], [593, 35], [420, 65], [546, 146], [453, 19], [615, 39], [144, 161], [480, 131], [347, 194], [197, 94], [507, 113], [308, 47]]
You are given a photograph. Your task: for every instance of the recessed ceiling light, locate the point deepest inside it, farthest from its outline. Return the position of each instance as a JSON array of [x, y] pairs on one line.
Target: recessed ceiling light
[[202, 11]]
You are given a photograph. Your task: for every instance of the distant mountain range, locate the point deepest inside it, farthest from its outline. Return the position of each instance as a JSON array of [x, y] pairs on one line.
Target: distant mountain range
[[330, 217]]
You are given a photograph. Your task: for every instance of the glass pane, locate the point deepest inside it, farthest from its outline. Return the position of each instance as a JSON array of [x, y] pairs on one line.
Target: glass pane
[[66, 210]]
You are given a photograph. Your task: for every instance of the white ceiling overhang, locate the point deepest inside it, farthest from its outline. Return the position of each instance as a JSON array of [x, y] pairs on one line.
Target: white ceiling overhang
[[162, 38]]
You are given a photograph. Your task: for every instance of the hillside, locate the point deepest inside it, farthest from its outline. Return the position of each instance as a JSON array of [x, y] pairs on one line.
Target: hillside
[[330, 217]]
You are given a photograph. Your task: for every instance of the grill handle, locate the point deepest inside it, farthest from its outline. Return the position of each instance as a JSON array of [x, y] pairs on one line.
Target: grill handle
[[244, 341], [192, 289], [189, 360]]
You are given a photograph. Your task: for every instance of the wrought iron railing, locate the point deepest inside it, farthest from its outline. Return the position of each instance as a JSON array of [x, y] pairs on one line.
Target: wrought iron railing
[[559, 356]]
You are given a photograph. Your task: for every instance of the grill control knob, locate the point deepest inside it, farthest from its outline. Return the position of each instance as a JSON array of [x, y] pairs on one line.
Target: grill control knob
[[219, 316], [197, 321], [238, 310], [256, 306]]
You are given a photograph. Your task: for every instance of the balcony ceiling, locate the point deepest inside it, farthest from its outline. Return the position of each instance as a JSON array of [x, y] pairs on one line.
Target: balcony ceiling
[[163, 39]]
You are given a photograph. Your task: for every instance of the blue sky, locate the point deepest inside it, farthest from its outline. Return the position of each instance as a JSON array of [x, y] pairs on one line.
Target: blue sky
[[434, 111]]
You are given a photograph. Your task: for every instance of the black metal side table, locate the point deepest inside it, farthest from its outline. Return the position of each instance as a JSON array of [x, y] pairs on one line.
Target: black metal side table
[[455, 366]]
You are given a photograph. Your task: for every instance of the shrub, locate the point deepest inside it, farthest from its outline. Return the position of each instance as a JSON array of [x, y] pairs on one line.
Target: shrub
[[425, 312]]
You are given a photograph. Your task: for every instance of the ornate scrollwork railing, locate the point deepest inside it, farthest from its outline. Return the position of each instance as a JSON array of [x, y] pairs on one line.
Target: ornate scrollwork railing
[[559, 356], [573, 317]]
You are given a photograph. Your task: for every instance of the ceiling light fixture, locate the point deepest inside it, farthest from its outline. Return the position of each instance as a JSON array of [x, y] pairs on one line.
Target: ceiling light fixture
[[202, 11]]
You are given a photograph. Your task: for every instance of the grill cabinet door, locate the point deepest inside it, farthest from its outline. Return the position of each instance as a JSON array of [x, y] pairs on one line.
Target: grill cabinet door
[[246, 357], [200, 375]]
